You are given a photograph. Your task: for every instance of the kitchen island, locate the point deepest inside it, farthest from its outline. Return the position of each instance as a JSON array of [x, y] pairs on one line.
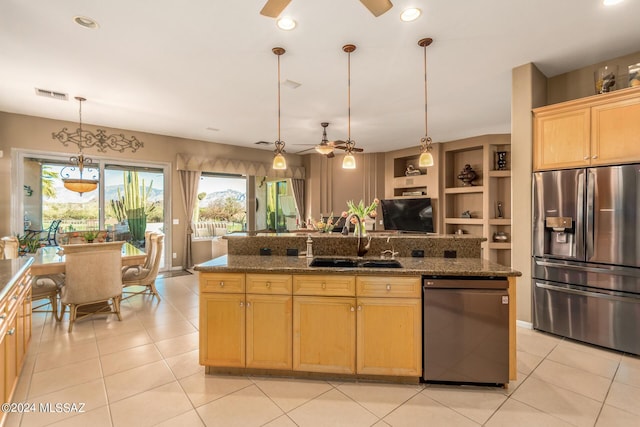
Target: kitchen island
[[281, 315]]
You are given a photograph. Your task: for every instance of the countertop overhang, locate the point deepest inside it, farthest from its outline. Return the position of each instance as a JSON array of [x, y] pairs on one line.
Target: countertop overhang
[[411, 266]]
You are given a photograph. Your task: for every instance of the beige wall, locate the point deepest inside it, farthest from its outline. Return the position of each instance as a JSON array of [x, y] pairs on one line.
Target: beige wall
[[329, 187], [580, 83], [34, 133]]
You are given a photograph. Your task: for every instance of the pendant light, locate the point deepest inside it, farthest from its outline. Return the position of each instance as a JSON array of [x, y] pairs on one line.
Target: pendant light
[[349, 161], [80, 176], [426, 159], [279, 162]]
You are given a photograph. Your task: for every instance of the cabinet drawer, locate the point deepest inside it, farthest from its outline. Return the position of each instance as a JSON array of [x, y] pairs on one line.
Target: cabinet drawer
[[222, 282], [324, 285], [276, 284], [392, 286]]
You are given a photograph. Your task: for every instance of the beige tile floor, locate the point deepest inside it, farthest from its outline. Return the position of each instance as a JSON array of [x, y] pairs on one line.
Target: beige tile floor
[[144, 371]]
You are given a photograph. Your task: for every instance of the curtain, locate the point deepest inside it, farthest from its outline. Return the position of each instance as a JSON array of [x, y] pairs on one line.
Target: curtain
[[298, 192], [189, 181]]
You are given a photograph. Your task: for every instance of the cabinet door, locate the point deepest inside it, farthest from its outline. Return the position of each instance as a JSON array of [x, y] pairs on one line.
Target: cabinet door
[[616, 132], [324, 334], [562, 139], [222, 324], [10, 365], [389, 336], [269, 331]]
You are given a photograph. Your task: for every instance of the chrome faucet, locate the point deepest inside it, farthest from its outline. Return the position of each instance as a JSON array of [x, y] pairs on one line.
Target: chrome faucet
[[363, 248], [389, 251]]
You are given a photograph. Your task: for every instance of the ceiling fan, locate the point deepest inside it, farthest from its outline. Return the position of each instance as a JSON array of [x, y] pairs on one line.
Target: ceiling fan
[[327, 147], [273, 8]]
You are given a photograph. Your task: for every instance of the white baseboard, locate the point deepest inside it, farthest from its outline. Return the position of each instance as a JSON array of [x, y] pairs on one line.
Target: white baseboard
[[523, 324]]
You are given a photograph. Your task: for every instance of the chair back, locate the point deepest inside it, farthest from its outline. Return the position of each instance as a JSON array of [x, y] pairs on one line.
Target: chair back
[[92, 272], [157, 239], [147, 249], [10, 247]]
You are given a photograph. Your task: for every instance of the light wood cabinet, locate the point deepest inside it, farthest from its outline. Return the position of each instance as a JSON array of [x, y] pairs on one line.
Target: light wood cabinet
[[598, 130], [241, 329], [269, 330], [222, 329], [324, 334], [15, 328], [389, 326]]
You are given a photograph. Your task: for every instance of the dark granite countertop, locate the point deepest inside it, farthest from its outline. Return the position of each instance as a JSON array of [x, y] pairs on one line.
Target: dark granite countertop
[[410, 266], [10, 270]]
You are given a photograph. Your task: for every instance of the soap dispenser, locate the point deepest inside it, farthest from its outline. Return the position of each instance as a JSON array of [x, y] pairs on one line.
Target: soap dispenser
[[309, 246]]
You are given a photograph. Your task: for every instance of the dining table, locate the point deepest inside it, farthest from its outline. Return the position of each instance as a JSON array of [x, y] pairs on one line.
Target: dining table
[[50, 259]]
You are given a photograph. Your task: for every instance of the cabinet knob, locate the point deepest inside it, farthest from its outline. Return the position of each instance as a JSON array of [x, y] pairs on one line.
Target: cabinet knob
[[15, 297], [359, 308], [268, 284], [388, 287], [3, 316], [586, 157], [221, 284], [595, 157], [324, 285], [353, 309], [241, 304], [248, 304], [11, 331]]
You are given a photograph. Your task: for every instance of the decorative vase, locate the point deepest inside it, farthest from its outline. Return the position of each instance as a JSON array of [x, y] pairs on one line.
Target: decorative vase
[[360, 229], [605, 78], [467, 175], [502, 160]]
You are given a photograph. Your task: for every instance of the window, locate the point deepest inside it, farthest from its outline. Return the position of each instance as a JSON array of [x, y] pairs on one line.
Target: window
[[222, 205]]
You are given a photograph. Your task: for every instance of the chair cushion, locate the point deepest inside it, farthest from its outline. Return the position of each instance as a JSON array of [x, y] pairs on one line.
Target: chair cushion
[[44, 285], [134, 274]]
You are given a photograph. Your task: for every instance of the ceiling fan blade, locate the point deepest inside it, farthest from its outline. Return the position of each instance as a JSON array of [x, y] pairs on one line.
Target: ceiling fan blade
[[330, 155], [377, 7], [273, 8], [357, 150], [305, 150]]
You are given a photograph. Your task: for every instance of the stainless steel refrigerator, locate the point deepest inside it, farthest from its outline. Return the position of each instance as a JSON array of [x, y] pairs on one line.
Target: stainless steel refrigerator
[[586, 255]]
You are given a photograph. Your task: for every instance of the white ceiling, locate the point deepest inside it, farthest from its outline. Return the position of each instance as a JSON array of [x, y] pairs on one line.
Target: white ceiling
[[180, 67]]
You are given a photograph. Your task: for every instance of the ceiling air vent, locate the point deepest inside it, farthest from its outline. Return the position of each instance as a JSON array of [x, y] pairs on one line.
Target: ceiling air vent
[[52, 94]]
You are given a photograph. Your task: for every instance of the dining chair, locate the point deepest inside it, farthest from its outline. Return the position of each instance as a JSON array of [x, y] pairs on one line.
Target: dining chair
[[145, 275], [51, 238], [93, 280], [47, 287]]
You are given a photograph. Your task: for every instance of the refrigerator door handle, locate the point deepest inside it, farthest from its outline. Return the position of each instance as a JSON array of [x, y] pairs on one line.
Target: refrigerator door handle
[[579, 230], [587, 294], [574, 267], [590, 229]]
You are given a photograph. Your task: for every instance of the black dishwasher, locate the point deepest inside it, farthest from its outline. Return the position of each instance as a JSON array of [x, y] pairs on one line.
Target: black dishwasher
[[466, 329]]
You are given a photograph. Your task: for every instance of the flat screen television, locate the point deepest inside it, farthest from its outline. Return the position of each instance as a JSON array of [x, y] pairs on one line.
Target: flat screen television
[[410, 215]]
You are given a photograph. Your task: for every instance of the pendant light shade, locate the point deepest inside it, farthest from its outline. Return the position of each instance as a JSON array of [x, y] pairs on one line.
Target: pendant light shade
[[279, 162], [349, 162], [426, 158], [80, 176]]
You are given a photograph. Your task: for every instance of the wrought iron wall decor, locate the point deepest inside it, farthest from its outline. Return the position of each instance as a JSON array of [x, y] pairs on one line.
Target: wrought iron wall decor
[[86, 139]]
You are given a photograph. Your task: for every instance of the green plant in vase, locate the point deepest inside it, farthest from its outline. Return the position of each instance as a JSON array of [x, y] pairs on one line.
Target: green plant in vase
[[90, 236], [362, 211]]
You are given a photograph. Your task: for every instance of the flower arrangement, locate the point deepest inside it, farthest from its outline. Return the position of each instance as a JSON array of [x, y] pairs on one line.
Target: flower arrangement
[[322, 226], [363, 212]]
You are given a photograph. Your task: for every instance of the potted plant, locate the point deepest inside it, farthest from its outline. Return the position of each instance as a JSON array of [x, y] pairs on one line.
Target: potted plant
[[90, 235]]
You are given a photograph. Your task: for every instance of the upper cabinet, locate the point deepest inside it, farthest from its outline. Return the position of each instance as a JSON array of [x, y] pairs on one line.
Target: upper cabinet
[[598, 130]]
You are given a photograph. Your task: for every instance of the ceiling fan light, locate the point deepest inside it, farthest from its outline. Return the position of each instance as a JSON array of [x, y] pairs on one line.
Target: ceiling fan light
[[349, 162], [425, 160], [410, 14], [279, 162], [324, 149]]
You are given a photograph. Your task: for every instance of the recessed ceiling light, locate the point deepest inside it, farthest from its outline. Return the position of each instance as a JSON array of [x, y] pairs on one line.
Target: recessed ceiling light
[[611, 2], [85, 22], [286, 23], [410, 14]]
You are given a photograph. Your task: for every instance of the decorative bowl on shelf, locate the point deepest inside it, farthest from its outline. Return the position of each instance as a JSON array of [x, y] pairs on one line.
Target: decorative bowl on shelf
[[500, 236], [467, 175]]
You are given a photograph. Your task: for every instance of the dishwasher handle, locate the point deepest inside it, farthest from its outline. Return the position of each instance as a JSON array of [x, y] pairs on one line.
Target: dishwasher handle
[[465, 283]]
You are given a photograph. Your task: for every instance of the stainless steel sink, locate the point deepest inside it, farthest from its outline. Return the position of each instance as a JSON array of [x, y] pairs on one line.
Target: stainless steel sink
[[353, 263], [334, 262], [380, 263]]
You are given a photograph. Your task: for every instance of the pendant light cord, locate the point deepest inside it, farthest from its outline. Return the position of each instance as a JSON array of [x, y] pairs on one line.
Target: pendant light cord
[[349, 96], [278, 98], [426, 133]]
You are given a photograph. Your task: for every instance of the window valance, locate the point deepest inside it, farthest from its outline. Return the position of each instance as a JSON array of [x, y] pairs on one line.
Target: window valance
[[240, 167]]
